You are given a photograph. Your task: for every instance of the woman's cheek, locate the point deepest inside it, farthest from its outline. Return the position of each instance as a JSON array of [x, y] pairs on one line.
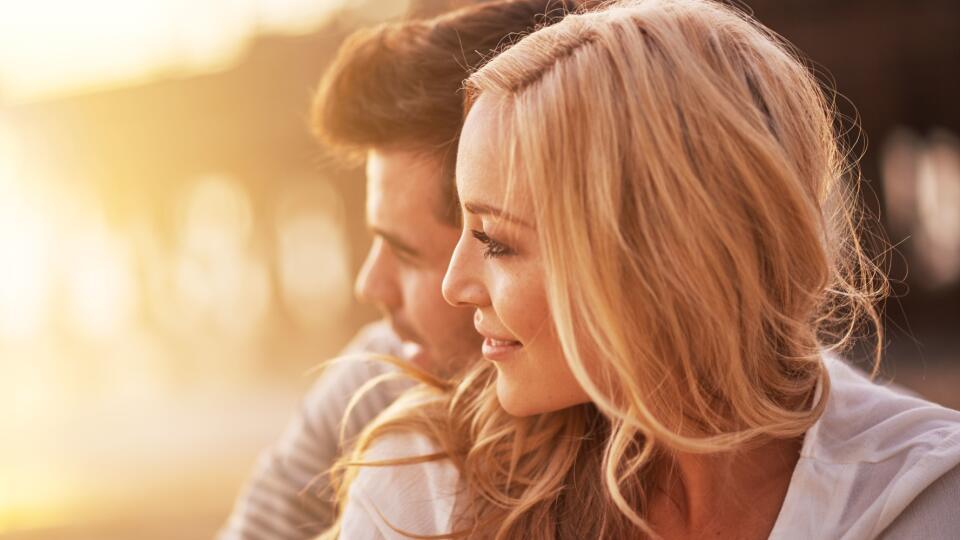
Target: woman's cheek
[[522, 304]]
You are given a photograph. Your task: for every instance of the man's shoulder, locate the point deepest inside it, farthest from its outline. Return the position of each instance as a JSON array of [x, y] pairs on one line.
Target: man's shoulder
[[377, 337], [360, 372], [272, 505], [359, 362]]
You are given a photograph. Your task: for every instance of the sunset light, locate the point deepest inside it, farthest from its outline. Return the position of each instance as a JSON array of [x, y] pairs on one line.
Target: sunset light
[[50, 46], [178, 246], [25, 247]]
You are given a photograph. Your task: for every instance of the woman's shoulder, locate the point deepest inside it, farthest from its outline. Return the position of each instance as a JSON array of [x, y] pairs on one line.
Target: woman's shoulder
[[873, 453], [869, 422], [400, 500], [933, 514]]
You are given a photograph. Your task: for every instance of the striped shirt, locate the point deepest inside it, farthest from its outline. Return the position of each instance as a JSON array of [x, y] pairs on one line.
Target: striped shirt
[[288, 496]]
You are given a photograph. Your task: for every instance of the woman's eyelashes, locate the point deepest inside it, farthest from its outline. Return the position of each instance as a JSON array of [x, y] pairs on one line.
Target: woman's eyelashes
[[492, 248]]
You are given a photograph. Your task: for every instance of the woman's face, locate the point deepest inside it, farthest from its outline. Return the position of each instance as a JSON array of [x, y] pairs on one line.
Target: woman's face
[[498, 270]]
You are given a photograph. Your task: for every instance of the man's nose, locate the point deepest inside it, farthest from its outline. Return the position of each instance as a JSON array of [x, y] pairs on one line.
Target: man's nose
[[462, 285], [377, 280]]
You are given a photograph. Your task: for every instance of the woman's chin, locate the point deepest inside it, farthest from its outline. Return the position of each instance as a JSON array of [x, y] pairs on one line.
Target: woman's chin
[[521, 398], [512, 399]]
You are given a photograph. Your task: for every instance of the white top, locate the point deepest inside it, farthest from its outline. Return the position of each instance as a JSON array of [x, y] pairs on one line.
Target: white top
[[417, 498], [876, 463]]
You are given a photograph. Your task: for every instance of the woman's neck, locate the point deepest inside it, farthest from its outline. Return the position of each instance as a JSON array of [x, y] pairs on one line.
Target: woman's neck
[[721, 494]]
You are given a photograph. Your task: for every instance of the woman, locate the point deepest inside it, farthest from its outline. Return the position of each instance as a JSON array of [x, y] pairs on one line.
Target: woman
[[663, 259]]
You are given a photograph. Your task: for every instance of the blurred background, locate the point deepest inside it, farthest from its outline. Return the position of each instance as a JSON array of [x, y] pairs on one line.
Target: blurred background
[[176, 252]]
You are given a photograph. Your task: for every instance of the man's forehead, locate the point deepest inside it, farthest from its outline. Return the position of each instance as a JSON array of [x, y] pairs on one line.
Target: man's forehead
[[403, 177], [404, 194], [404, 161]]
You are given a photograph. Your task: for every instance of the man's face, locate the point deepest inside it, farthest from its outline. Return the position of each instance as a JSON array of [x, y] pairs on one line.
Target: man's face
[[411, 248]]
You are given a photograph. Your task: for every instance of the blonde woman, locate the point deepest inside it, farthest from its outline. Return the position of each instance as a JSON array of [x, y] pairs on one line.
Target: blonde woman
[[660, 246]]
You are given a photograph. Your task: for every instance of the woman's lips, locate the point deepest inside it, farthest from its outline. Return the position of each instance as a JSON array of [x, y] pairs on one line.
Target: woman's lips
[[498, 349]]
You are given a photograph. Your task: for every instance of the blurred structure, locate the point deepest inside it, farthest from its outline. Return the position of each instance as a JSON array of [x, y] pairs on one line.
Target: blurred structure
[[176, 253], [921, 180]]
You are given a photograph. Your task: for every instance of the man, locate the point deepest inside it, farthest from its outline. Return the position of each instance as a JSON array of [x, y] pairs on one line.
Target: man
[[392, 97]]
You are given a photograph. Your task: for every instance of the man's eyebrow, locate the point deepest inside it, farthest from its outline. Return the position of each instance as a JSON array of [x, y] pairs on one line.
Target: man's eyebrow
[[395, 242], [481, 209]]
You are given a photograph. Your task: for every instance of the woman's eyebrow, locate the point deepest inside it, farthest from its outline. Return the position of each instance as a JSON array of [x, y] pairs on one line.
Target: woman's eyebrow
[[481, 209]]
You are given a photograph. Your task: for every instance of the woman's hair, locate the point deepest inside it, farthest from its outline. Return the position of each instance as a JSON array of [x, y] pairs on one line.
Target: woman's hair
[[702, 253]]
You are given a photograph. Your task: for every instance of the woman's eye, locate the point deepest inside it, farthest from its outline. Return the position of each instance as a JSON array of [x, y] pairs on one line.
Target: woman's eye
[[492, 248]]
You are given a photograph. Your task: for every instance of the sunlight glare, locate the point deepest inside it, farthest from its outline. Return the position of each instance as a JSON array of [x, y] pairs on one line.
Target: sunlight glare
[[48, 47], [102, 289], [217, 276], [313, 255], [938, 204], [29, 499], [25, 239]]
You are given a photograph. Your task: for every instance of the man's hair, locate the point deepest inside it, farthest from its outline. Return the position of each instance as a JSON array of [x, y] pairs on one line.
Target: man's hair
[[397, 85]]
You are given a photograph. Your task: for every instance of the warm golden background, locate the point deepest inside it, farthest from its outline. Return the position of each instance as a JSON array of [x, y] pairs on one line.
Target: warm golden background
[[176, 253]]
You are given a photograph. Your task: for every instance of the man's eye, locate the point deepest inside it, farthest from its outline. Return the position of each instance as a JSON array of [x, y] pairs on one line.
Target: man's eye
[[405, 256], [402, 255], [492, 248]]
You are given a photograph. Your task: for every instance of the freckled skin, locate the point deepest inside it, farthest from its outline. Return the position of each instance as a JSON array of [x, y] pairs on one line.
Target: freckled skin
[[507, 292]]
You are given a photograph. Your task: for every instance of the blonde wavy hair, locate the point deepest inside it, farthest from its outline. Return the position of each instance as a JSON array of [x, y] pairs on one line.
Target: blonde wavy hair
[[700, 235]]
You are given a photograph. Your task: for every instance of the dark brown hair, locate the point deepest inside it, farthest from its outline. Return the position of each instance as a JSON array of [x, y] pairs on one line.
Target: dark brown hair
[[398, 84]]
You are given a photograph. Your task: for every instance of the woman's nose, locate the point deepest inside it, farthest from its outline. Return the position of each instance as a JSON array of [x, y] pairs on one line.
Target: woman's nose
[[463, 284]]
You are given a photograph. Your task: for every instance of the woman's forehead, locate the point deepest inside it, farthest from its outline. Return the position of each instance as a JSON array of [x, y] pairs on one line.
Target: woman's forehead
[[480, 159], [483, 162]]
